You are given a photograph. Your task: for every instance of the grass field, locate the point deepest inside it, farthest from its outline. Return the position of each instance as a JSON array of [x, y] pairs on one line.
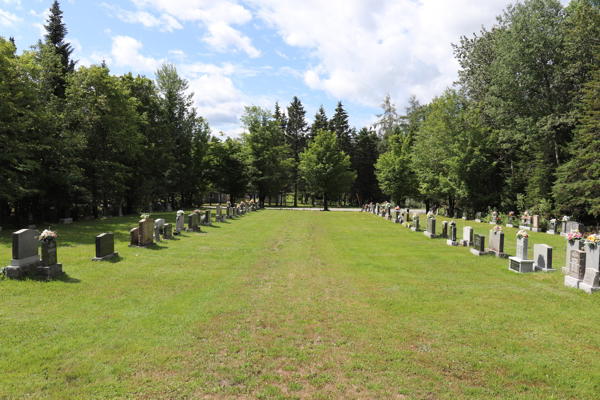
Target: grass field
[[295, 304]]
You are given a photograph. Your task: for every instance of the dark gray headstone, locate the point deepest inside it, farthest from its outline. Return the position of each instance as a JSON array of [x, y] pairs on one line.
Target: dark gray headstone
[[453, 233], [49, 256], [168, 231], [134, 237], [479, 243], [105, 245], [24, 246]]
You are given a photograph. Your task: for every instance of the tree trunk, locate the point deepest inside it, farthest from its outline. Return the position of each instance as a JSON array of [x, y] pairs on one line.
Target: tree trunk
[[325, 205], [426, 205], [296, 194]]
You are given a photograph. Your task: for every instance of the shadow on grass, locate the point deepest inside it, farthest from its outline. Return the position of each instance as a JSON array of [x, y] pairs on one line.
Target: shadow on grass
[[65, 278]]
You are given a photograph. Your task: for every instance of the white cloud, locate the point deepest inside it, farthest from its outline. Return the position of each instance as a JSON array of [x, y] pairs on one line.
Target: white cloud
[[17, 2], [95, 58], [9, 19], [222, 36], [361, 50], [126, 53], [165, 22], [216, 16]]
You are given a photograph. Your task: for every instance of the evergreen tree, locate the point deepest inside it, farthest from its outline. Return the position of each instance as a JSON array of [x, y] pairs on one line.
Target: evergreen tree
[[56, 33], [339, 125], [295, 134], [363, 162], [321, 122], [280, 116]]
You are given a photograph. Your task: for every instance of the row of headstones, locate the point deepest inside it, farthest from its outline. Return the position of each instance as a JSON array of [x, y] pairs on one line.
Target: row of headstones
[[26, 260], [582, 266]]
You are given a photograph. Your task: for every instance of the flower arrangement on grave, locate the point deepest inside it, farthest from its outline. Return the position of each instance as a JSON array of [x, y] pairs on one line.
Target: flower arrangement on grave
[[397, 208], [453, 223], [497, 229], [592, 240], [430, 215], [566, 218], [574, 235], [145, 216], [180, 213], [198, 211], [522, 234], [415, 216], [511, 213], [47, 236], [553, 220]]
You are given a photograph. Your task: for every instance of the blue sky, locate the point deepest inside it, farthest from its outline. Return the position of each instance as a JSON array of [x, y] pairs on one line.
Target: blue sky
[[237, 53]]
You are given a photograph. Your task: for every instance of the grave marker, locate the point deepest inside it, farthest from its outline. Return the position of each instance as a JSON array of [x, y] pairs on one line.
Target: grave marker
[[576, 269], [496, 243], [542, 258], [520, 263], [105, 247], [478, 245]]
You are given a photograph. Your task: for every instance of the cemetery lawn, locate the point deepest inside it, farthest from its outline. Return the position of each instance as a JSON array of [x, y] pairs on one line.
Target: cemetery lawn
[[295, 305]]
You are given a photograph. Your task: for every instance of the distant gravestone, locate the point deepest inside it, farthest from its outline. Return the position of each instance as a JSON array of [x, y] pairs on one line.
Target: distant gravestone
[[134, 237], [535, 223], [146, 232], [105, 247], [430, 232], [576, 269], [477, 217], [571, 245], [590, 281], [169, 207], [467, 239], [496, 243], [452, 236], [179, 224], [397, 216], [168, 231], [478, 245], [573, 226], [65, 221], [542, 258], [520, 263], [207, 218], [388, 213], [24, 254], [552, 228], [50, 266], [510, 220], [444, 232], [494, 219], [158, 228], [219, 216], [406, 217], [193, 223], [120, 213], [416, 223]]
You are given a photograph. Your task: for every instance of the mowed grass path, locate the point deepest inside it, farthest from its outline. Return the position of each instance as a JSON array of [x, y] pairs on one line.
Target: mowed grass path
[[295, 304]]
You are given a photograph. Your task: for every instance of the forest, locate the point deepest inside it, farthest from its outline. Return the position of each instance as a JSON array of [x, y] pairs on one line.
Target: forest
[[519, 130]]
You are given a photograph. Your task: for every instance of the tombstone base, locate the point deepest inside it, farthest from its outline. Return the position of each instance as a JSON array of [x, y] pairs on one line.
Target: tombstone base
[[193, 230], [49, 271], [477, 220], [219, 218], [20, 271], [524, 228], [451, 242], [107, 257], [519, 265], [141, 247], [464, 243], [396, 221], [65, 221], [31, 226], [430, 235], [572, 282], [509, 225], [497, 253], [206, 224], [565, 270], [414, 229], [389, 217], [33, 260], [536, 229], [589, 289], [478, 253], [536, 268]]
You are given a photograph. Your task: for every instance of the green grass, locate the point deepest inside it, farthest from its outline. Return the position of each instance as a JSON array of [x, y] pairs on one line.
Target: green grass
[[295, 305]]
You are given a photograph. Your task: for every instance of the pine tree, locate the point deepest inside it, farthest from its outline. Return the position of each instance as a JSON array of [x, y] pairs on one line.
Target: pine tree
[[339, 125], [56, 33], [280, 116], [321, 122], [295, 133]]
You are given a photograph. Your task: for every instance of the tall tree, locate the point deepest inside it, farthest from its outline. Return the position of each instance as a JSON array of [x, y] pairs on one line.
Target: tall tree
[[295, 133], [321, 122], [56, 31], [363, 162], [326, 168]]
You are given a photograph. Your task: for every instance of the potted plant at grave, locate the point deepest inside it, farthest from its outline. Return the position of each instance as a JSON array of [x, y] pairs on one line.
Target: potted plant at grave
[[180, 213], [198, 211], [144, 216], [430, 215], [566, 218], [453, 223], [497, 229], [574, 235], [47, 236], [592, 240], [415, 216], [522, 234]]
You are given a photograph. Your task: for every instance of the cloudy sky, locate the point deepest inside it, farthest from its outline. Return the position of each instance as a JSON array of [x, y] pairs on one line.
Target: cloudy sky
[[237, 53]]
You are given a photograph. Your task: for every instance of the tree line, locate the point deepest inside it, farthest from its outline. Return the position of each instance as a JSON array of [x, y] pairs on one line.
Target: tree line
[[517, 131]]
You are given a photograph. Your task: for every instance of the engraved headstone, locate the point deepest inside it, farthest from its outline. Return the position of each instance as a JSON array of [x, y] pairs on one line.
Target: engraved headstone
[[590, 281], [510, 220], [477, 217], [552, 229], [592, 257], [522, 248], [430, 232], [571, 245], [416, 224], [535, 223], [496, 243], [134, 237], [576, 269], [105, 247], [24, 254], [444, 232], [179, 224], [169, 207], [478, 245]]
